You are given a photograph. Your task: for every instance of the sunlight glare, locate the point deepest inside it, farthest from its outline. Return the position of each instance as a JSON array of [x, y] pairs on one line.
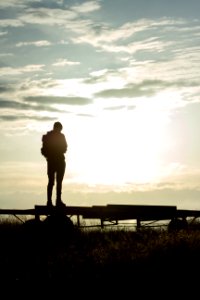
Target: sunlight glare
[[118, 147]]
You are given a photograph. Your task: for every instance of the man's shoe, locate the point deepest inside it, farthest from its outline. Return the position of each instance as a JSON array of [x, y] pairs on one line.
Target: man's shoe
[[60, 204]]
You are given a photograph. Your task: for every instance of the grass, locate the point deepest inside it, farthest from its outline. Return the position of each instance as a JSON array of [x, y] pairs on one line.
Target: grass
[[49, 253]]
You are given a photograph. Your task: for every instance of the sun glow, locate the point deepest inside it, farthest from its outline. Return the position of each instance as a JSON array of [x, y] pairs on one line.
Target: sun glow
[[118, 147]]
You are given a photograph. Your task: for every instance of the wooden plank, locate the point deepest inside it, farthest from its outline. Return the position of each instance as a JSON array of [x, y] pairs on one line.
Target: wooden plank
[[68, 210], [184, 213], [115, 212], [96, 212], [125, 212], [17, 212], [111, 212]]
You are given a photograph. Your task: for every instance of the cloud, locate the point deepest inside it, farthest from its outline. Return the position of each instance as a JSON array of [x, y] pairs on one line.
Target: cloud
[[82, 8], [13, 104], [25, 117], [118, 107], [3, 33], [150, 44], [5, 71], [15, 3], [119, 39], [85, 115], [36, 43], [145, 88], [58, 100], [5, 88], [43, 83], [102, 33], [6, 54], [11, 23], [65, 62], [8, 104], [86, 7], [47, 16]]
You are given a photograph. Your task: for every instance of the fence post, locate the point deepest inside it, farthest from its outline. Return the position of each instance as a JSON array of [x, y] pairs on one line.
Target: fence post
[[138, 224]]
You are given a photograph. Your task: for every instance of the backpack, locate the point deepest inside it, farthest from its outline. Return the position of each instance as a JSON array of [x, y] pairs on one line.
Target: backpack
[[53, 144], [45, 144]]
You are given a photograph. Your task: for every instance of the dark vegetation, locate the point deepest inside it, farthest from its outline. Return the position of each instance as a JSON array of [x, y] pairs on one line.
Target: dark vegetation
[[54, 253]]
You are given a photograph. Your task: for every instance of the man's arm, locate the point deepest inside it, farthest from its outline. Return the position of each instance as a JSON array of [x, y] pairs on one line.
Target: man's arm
[[65, 145]]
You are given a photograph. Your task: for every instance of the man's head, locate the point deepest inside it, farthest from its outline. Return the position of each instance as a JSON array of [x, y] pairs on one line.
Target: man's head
[[57, 126]]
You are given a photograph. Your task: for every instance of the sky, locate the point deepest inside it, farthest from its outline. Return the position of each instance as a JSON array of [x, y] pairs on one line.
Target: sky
[[123, 79]]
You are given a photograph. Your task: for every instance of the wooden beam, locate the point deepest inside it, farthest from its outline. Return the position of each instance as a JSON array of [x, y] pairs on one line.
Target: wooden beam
[[110, 212], [17, 211]]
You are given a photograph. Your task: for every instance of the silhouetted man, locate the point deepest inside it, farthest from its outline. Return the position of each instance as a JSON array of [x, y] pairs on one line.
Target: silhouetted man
[[53, 148]]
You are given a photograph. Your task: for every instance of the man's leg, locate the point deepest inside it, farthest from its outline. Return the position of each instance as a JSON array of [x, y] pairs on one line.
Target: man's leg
[[59, 178], [51, 177]]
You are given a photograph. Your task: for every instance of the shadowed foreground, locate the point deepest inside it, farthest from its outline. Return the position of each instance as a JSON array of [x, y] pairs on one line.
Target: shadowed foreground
[[54, 253]]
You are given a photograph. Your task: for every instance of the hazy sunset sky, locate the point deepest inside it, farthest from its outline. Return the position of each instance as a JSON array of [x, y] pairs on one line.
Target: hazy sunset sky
[[123, 77]]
